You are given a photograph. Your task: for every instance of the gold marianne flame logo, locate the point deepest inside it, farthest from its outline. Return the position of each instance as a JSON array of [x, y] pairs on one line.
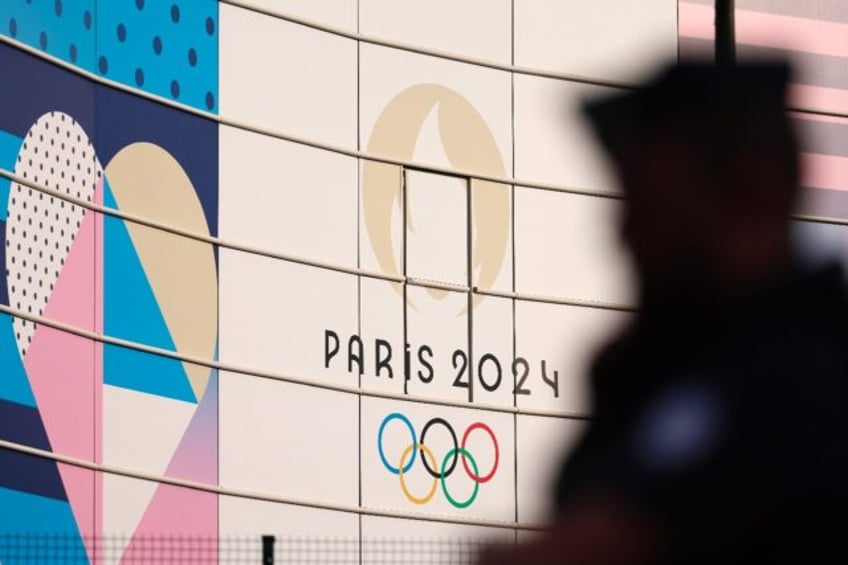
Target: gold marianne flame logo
[[469, 145]]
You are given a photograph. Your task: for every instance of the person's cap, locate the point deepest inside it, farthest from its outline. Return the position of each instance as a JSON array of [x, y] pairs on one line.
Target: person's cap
[[691, 93]]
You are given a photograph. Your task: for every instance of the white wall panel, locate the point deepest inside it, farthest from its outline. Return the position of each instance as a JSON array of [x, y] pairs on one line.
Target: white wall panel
[[130, 418], [438, 319], [124, 501], [265, 79], [289, 440], [605, 39], [381, 218], [381, 330], [473, 28], [493, 350], [542, 444], [335, 13], [437, 233], [241, 518], [274, 316], [287, 197], [568, 245], [492, 242], [553, 143], [385, 73], [565, 339]]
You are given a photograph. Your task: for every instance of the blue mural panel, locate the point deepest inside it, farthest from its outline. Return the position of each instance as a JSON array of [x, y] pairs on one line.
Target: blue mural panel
[[132, 313], [63, 130], [47, 88], [29, 473], [44, 528], [62, 28], [9, 147], [14, 384], [166, 48], [123, 119]]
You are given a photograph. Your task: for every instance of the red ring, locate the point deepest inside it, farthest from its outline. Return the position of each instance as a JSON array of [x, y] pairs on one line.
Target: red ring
[[487, 429]]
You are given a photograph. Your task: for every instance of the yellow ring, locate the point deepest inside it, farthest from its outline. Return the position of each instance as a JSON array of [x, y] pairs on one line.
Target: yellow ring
[[425, 451]]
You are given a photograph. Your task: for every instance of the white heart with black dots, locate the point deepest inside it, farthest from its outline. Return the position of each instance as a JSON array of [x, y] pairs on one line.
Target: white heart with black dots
[[56, 153]]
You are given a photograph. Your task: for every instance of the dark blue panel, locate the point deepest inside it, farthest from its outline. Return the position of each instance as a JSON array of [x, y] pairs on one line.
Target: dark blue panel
[[19, 471], [22, 424], [33, 87], [28, 473], [123, 119]]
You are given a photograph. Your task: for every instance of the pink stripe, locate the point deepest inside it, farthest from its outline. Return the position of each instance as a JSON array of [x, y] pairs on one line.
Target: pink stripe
[[696, 21], [819, 97], [61, 365], [80, 488], [824, 171], [98, 361], [769, 30]]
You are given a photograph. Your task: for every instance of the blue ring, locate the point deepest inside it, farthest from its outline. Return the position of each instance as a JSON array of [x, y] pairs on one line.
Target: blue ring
[[405, 420]]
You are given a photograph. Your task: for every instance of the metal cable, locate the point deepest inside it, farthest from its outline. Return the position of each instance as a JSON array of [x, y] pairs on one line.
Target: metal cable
[[265, 252], [277, 376], [253, 495]]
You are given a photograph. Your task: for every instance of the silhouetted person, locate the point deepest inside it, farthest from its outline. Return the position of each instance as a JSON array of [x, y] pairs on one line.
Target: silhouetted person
[[720, 428]]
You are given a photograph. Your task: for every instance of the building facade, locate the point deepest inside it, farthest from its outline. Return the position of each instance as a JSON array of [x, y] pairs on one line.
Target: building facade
[[326, 270]]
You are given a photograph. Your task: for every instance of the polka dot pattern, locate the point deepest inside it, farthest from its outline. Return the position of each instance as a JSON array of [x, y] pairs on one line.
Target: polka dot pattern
[[41, 229], [62, 28], [173, 43], [167, 47]]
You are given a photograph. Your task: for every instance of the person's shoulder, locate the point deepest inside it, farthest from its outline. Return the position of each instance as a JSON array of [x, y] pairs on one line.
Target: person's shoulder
[[806, 320]]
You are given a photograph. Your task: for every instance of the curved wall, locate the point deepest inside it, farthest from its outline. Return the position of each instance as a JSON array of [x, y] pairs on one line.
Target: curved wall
[[266, 260]]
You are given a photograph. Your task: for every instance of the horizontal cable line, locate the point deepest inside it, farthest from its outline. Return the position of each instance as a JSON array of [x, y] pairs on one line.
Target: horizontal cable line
[[400, 46], [276, 376], [212, 240], [264, 497], [269, 132], [516, 69], [555, 300], [315, 144], [264, 252], [357, 271], [437, 285]]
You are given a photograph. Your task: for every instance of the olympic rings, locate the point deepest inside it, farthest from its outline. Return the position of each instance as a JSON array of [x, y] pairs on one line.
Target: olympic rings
[[431, 462], [474, 476], [471, 498], [386, 420], [433, 472], [424, 450]]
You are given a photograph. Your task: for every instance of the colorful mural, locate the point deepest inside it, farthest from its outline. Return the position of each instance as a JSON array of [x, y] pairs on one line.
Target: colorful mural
[[75, 396], [280, 321]]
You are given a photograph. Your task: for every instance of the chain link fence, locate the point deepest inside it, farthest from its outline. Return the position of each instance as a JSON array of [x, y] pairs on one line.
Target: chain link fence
[[266, 550]]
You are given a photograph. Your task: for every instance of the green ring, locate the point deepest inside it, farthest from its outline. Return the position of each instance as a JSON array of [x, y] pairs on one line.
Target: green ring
[[452, 453]]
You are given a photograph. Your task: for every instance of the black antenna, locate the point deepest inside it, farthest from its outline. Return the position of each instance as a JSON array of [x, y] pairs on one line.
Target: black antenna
[[725, 37]]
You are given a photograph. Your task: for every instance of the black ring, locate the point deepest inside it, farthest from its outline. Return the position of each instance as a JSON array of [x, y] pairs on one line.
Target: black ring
[[449, 470]]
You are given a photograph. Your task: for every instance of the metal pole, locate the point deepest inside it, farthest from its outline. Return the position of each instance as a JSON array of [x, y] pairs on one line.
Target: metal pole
[[725, 37], [268, 550]]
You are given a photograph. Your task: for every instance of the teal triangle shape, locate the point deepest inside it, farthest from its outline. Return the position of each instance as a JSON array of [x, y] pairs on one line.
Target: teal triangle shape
[[10, 146], [131, 312], [14, 383]]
